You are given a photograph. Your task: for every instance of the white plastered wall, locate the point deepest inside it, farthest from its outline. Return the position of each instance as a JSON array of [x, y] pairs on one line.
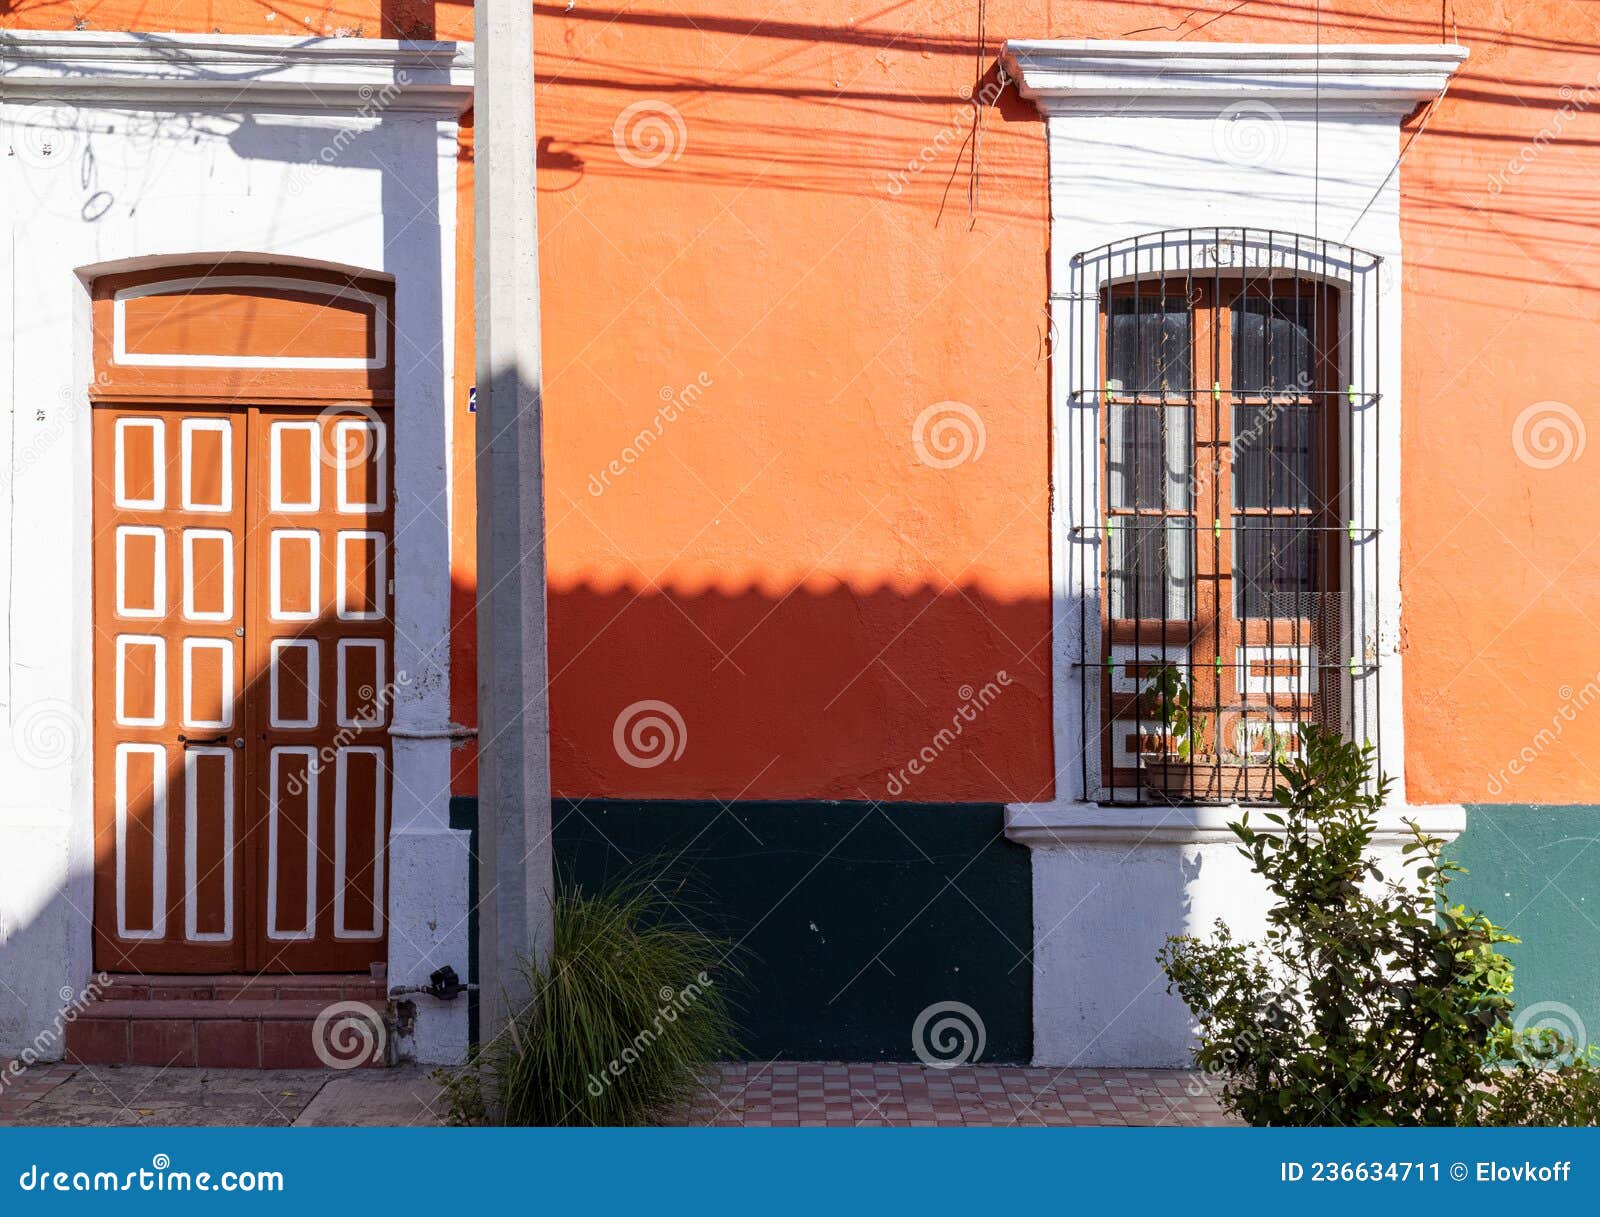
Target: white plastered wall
[[1145, 137], [131, 150]]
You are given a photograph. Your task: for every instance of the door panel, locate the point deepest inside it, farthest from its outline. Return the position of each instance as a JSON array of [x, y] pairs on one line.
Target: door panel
[[320, 634], [169, 668], [242, 604]]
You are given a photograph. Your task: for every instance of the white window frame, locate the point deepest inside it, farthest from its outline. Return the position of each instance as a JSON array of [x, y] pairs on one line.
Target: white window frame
[[1147, 136]]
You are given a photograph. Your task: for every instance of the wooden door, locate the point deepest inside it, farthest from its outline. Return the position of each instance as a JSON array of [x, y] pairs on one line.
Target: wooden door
[[242, 607], [320, 575], [169, 675]]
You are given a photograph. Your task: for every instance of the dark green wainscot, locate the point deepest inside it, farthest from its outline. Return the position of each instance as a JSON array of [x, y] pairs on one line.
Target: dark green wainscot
[[852, 919], [1536, 871]]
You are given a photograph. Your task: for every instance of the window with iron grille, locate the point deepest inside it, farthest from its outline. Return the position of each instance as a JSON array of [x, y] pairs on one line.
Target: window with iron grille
[[1228, 535]]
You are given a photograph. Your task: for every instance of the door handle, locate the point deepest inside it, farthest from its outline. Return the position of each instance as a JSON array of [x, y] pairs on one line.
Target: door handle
[[186, 740]]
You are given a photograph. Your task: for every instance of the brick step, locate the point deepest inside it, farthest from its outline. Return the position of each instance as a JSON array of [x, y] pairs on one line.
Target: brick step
[[232, 1022], [272, 1011], [122, 987]]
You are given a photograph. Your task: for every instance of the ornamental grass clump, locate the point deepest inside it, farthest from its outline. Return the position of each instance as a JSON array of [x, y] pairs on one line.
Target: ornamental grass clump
[[1370, 999], [621, 1026]]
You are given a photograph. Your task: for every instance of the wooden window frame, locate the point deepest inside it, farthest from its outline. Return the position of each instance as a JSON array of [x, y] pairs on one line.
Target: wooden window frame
[[221, 381], [1216, 632]]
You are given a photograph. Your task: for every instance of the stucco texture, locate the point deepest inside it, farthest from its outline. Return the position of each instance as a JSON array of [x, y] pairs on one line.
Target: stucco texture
[[779, 565]]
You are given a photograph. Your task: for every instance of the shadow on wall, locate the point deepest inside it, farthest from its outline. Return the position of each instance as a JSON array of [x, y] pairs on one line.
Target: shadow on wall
[[927, 695], [215, 909], [851, 917], [278, 871]]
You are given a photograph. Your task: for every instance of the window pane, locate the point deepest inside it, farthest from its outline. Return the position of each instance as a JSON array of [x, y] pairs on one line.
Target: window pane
[[1149, 461], [1147, 344], [1272, 455], [1272, 345], [1150, 571], [1272, 569]]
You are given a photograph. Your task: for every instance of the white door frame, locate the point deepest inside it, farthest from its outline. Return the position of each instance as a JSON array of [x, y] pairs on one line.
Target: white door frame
[[133, 150]]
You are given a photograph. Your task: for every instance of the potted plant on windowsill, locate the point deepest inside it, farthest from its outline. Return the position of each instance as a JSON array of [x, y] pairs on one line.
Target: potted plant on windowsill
[[1169, 700], [1177, 761]]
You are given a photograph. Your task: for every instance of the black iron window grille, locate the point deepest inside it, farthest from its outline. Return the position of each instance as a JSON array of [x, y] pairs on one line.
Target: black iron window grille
[[1223, 421]]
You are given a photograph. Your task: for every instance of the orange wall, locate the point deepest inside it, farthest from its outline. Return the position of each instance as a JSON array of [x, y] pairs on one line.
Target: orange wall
[[781, 568], [778, 565]]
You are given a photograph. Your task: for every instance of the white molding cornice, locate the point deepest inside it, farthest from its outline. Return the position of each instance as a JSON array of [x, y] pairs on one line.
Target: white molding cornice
[[1066, 825], [1117, 76], [369, 76]]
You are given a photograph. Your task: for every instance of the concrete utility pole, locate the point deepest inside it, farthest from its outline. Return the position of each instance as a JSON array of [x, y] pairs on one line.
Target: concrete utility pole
[[515, 872]]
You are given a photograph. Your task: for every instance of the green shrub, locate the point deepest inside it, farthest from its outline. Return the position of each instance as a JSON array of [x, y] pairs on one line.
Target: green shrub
[[621, 1026], [1568, 1096], [1370, 999]]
